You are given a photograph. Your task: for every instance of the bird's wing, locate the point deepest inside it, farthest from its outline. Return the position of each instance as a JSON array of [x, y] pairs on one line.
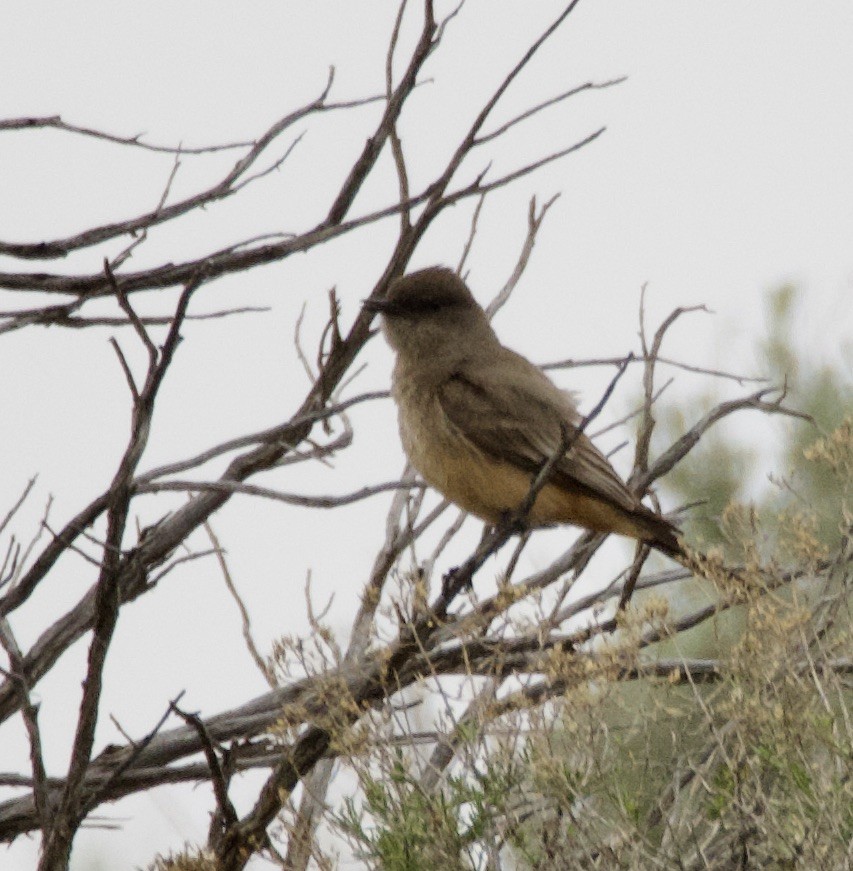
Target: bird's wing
[[516, 414]]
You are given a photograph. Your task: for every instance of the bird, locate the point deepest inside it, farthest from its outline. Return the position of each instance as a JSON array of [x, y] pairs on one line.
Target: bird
[[479, 421]]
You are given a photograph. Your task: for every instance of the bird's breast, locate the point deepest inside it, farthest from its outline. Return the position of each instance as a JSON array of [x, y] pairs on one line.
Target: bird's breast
[[479, 483], [447, 460]]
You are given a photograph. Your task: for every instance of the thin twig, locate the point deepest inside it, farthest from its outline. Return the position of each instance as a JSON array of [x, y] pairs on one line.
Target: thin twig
[[457, 579], [529, 113], [472, 232], [226, 187], [59, 834], [29, 713], [232, 487], [393, 135], [643, 551], [142, 235], [20, 501], [667, 361], [219, 776], [677, 451], [57, 123], [259, 661], [534, 222]]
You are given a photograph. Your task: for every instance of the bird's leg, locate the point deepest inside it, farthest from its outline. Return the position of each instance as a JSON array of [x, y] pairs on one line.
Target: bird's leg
[[447, 581], [513, 520]]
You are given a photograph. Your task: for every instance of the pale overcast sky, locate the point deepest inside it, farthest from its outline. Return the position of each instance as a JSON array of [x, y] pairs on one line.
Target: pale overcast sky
[[725, 170]]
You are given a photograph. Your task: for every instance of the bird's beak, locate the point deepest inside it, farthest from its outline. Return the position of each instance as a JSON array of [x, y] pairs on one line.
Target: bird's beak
[[377, 305]]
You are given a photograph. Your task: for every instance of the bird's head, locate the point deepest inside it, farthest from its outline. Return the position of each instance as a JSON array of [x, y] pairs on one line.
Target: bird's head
[[428, 309]]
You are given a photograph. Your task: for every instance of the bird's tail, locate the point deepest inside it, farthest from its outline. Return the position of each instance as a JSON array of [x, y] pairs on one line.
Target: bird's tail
[[658, 532]]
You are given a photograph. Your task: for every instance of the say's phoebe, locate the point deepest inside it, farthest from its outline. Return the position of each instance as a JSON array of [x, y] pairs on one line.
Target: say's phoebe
[[479, 421]]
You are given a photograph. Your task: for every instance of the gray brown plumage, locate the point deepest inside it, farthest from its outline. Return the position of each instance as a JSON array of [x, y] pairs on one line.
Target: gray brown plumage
[[478, 421]]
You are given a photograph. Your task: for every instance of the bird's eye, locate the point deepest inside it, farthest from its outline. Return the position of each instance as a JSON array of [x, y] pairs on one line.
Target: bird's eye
[[426, 305]]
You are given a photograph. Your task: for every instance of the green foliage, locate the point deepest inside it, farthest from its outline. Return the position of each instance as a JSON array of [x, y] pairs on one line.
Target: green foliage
[[753, 769], [820, 389], [401, 826], [757, 770], [716, 472]]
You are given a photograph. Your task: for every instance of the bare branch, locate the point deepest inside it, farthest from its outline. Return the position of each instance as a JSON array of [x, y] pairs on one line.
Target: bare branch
[[235, 258], [58, 316], [259, 661], [142, 235], [642, 554], [20, 501], [640, 358], [394, 138], [394, 105], [140, 330], [57, 123], [470, 138], [478, 187], [29, 713], [226, 187], [361, 683], [21, 591], [116, 772], [288, 498], [273, 436], [433, 643], [226, 814], [689, 440], [59, 834], [534, 222], [475, 716], [644, 436], [466, 250], [125, 368], [587, 86]]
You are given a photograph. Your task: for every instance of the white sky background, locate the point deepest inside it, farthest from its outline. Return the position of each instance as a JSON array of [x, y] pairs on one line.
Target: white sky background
[[725, 170]]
